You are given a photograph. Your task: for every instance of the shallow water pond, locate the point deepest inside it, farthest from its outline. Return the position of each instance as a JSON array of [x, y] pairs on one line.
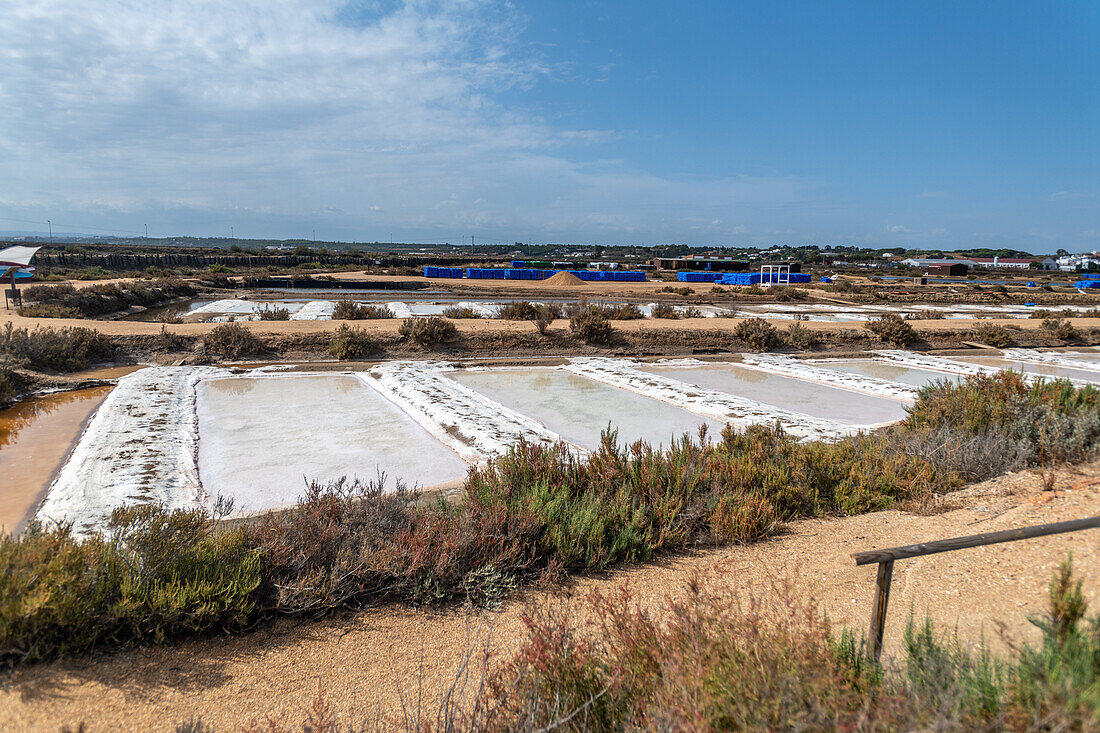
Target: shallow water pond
[[578, 408], [262, 438], [808, 398]]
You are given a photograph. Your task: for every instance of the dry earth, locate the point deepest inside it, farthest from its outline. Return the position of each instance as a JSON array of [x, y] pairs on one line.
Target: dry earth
[[366, 661]]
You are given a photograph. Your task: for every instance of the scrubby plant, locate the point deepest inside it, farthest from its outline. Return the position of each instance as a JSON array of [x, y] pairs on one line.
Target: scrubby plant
[[996, 336], [799, 336], [273, 313], [925, 315], [893, 329], [690, 311], [544, 316], [62, 350], [429, 331], [591, 326], [10, 384], [170, 341], [67, 301], [758, 334], [664, 310], [786, 294], [352, 343], [461, 311], [230, 341], [1060, 329], [682, 290], [349, 310], [522, 310]]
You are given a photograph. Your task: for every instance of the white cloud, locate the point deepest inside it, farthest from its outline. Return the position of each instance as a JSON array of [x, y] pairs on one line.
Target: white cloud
[[275, 113]]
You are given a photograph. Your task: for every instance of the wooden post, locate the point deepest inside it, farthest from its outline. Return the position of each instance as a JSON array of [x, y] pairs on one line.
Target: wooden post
[[878, 611]]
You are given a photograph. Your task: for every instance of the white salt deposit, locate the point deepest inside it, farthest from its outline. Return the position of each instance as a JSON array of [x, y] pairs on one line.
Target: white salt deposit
[[891, 372], [263, 438], [580, 409], [1050, 357], [798, 369], [473, 425], [739, 411], [139, 447], [315, 310], [934, 363]]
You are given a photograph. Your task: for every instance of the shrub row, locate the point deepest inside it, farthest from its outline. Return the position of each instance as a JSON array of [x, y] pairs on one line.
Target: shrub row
[[62, 350], [66, 301]]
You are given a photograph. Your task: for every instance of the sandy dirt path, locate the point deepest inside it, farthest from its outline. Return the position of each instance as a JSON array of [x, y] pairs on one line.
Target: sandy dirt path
[[364, 661]]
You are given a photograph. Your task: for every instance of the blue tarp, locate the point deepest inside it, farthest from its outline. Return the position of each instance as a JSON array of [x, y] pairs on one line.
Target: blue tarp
[[1087, 284]]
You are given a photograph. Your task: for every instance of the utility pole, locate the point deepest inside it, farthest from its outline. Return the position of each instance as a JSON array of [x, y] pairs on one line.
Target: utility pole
[[146, 231], [50, 224]]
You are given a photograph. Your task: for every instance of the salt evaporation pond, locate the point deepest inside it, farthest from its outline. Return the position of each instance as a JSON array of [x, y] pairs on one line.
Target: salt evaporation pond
[[261, 438], [1028, 367], [841, 405], [578, 408], [890, 372]]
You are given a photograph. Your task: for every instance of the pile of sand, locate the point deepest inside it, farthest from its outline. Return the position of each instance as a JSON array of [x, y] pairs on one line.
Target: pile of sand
[[563, 279]]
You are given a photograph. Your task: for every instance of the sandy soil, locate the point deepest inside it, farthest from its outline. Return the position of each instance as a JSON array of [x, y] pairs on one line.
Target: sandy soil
[[366, 661]]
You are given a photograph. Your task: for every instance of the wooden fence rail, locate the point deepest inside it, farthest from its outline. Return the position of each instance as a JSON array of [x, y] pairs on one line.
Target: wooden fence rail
[[885, 559]]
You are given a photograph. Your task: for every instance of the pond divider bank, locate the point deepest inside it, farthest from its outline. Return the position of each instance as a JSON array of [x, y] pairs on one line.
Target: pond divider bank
[[790, 367]]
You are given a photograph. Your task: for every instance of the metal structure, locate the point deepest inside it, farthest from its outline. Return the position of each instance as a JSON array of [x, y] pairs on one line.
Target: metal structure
[[15, 265], [774, 275]]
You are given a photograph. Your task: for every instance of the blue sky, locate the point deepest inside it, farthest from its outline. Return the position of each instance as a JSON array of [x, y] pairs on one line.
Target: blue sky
[[871, 123]]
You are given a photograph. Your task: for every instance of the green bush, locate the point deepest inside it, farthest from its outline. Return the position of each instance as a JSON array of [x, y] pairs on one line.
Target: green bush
[[273, 313], [800, 337], [230, 341], [665, 310], [62, 350], [522, 310], [997, 336], [10, 384], [154, 576], [456, 311], [349, 310], [591, 326], [352, 343], [429, 331], [758, 334], [1061, 330], [67, 301], [893, 329]]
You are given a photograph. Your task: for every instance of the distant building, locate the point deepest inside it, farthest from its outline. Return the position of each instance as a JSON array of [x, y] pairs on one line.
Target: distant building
[[925, 263], [1015, 263], [949, 269]]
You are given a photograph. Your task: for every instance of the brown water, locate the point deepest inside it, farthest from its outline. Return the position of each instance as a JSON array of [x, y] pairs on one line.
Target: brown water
[[35, 439]]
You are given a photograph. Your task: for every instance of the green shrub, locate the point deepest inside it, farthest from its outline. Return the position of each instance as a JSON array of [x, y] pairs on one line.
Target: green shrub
[[62, 350], [758, 334], [67, 301], [456, 311], [893, 329], [427, 331], [273, 313], [996, 336], [664, 310], [682, 290], [48, 310], [169, 341], [230, 341], [154, 576], [352, 343], [544, 316], [349, 310], [10, 384], [800, 337], [522, 310], [1061, 330], [591, 326], [786, 293]]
